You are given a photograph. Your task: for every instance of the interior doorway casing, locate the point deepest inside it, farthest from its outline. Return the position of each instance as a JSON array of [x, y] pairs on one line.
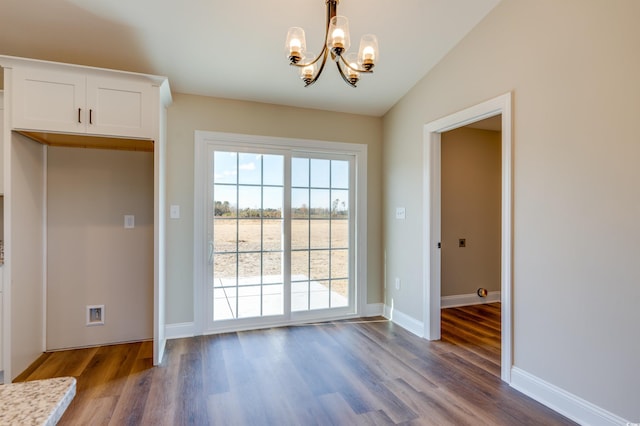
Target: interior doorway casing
[[500, 105]]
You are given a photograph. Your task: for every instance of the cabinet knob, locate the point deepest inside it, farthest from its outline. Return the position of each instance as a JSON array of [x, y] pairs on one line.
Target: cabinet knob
[[90, 116], [79, 113]]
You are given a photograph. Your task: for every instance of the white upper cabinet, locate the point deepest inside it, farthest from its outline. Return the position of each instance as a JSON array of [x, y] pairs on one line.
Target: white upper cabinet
[[79, 101], [47, 100], [119, 107]]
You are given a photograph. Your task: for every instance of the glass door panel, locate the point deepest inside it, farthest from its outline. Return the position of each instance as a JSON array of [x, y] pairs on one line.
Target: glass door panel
[[320, 245], [247, 235]]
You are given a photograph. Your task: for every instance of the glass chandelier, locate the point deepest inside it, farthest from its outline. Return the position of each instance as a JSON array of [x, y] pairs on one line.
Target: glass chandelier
[[337, 42]]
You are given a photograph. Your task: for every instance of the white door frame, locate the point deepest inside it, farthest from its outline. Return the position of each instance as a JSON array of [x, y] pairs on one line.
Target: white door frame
[[305, 146], [432, 219]]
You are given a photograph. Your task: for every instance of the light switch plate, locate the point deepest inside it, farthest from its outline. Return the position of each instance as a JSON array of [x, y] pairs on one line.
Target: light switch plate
[[129, 221], [400, 213], [174, 211]]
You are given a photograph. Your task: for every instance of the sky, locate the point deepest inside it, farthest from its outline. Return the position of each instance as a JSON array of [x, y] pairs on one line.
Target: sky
[[315, 182]]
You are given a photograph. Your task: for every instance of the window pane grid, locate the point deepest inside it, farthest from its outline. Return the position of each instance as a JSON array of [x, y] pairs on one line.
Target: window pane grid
[[257, 268], [247, 210], [326, 212]]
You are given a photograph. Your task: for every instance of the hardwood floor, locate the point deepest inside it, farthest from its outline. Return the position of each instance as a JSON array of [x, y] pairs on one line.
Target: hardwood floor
[[369, 372]]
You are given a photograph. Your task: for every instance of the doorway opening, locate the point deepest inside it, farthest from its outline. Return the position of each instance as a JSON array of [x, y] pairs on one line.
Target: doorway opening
[[470, 240], [432, 238]]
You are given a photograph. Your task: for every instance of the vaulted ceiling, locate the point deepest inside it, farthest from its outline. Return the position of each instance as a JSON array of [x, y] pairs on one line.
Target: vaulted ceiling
[[235, 49]]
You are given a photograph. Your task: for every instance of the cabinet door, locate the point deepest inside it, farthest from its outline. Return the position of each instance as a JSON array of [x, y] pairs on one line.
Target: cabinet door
[[48, 101], [119, 107]]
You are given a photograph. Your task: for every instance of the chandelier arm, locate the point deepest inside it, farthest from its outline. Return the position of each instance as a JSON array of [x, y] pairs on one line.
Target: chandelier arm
[[344, 77], [354, 68], [324, 61], [299, 65]]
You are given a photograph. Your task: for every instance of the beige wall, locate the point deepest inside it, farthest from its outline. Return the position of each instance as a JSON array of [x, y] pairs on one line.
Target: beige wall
[[470, 205], [92, 259], [189, 113], [573, 68]]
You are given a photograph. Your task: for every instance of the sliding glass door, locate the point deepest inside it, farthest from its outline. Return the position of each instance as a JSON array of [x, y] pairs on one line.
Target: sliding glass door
[[280, 236]]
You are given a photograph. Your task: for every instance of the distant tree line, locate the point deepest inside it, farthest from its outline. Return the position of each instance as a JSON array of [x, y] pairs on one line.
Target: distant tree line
[[226, 209], [338, 210]]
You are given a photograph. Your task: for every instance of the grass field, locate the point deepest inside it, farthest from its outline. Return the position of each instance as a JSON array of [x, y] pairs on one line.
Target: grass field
[[319, 250]]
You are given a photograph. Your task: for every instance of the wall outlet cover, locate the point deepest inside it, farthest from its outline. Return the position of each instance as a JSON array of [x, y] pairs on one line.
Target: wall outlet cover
[[95, 315]]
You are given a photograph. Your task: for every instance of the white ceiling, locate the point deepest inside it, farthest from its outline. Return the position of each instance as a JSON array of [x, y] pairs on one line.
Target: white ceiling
[[235, 49]]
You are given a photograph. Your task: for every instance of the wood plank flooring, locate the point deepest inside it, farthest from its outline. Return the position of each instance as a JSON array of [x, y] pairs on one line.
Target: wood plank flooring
[[368, 372]]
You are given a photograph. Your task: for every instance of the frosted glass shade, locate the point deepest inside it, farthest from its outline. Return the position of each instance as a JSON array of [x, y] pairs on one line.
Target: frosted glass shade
[[295, 45], [338, 36], [368, 52], [307, 72], [351, 59]]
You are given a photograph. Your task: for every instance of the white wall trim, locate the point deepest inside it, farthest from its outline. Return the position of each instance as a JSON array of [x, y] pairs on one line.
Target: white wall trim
[[565, 403], [45, 243], [179, 330], [431, 233], [189, 329], [403, 320], [373, 310], [5, 334], [468, 299]]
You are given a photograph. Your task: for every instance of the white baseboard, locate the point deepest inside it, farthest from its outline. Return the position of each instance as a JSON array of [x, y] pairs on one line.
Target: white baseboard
[[468, 299], [373, 309], [179, 330], [187, 329], [565, 403], [405, 321]]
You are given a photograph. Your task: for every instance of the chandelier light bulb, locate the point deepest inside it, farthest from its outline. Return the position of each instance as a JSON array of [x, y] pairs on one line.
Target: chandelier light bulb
[[368, 53], [338, 37], [307, 72]]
